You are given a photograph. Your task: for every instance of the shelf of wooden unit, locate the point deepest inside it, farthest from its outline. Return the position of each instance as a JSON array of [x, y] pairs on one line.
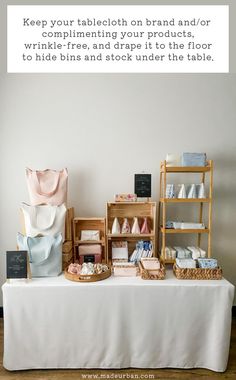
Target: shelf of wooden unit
[[164, 202], [184, 231], [186, 169], [184, 200], [130, 210], [78, 242], [131, 236], [84, 223]]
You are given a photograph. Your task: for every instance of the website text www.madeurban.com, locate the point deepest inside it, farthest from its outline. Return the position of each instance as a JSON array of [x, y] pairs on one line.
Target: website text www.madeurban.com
[[113, 375]]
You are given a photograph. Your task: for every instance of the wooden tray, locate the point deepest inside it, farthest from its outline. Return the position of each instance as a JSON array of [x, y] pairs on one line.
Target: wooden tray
[[197, 273], [87, 277], [152, 274]]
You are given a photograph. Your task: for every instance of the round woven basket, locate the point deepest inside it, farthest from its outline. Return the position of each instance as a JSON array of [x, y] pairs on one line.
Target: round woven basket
[[87, 277]]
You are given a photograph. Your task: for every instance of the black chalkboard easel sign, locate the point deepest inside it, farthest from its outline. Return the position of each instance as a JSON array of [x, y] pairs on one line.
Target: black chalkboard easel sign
[[143, 185], [17, 264]]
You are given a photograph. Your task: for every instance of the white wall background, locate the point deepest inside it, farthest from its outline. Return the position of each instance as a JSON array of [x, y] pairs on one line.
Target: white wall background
[[105, 128]]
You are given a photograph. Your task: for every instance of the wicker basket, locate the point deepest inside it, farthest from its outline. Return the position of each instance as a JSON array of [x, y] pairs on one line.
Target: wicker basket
[[153, 274], [197, 273], [87, 277]]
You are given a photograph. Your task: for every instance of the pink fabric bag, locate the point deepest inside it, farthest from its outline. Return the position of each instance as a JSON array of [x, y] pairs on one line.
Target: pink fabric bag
[[47, 186]]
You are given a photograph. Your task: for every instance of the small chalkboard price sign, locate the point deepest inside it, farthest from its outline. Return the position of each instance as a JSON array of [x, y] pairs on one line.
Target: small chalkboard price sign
[[17, 264], [143, 185]]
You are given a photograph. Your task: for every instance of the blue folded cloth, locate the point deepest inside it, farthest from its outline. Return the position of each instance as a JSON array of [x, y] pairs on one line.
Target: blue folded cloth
[[183, 253], [193, 159], [207, 263]]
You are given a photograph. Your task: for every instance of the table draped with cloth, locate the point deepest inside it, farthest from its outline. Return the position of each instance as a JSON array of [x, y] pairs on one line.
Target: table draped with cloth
[[117, 323]]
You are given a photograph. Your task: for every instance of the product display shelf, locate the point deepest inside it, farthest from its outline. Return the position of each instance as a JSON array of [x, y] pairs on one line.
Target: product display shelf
[[130, 210], [184, 231], [186, 169], [202, 170], [184, 200], [96, 224]]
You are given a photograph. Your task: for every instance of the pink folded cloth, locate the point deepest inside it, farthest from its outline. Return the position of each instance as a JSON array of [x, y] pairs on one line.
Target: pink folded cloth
[[74, 268], [151, 263], [90, 249]]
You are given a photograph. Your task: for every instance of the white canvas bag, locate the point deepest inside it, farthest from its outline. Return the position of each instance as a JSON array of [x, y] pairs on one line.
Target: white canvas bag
[[44, 219]]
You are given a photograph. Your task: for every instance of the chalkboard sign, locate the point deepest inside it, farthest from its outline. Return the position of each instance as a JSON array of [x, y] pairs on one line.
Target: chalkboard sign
[[17, 264], [143, 185]]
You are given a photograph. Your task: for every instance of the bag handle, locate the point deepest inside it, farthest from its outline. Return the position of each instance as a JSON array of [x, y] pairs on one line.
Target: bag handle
[[37, 183], [46, 251], [33, 214]]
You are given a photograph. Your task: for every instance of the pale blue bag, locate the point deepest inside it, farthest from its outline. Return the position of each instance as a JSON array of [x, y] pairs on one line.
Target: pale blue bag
[[45, 254]]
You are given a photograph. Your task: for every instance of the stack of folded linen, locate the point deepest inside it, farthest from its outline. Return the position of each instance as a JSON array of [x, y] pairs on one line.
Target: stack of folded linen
[[151, 263], [171, 224], [196, 252], [170, 253], [193, 159], [184, 225], [187, 226], [186, 263], [207, 263], [182, 253]]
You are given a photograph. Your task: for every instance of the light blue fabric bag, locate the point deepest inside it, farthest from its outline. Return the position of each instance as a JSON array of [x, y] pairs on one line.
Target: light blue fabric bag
[[45, 254]]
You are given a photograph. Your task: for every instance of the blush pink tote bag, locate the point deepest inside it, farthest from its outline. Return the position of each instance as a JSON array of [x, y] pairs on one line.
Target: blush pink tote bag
[[47, 186]]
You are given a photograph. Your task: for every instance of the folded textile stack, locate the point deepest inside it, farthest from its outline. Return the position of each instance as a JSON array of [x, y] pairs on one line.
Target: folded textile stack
[[120, 250], [186, 263], [187, 226], [182, 253], [125, 269], [193, 159], [196, 252], [143, 249], [170, 253], [171, 224], [184, 225], [151, 263], [207, 263]]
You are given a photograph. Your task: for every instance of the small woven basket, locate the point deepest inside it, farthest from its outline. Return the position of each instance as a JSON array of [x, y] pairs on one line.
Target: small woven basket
[[153, 274], [197, 273]]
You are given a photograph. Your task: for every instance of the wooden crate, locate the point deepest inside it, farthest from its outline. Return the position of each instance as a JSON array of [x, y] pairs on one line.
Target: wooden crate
[[130, 210], [98, 224]]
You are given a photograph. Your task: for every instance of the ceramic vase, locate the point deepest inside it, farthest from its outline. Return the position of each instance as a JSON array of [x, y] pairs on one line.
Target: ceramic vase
[[144, 228], [115, 227], [135, 226], [125, 229]]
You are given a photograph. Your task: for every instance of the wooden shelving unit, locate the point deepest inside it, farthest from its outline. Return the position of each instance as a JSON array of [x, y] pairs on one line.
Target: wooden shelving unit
[[130, 210], [98, 224], [164, 202]]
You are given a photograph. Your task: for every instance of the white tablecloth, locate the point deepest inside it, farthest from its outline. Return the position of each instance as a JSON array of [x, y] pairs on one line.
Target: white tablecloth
[[117, 323]]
